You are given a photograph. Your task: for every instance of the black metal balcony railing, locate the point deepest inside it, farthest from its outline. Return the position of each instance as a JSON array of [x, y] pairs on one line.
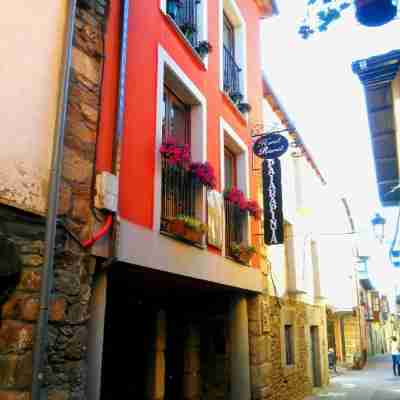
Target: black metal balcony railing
[[231, 76], [185, 14], [234, 226], [180, 194]]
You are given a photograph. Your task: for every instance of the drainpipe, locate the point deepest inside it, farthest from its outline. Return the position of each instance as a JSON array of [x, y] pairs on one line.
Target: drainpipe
[[52, 207], [117, 145]]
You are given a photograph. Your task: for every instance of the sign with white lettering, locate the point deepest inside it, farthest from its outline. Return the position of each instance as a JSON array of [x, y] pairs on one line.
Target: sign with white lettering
[[272, 190], [270, 146]]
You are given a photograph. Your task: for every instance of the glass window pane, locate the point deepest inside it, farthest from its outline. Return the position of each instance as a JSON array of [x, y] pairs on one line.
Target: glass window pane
[[178, 124]]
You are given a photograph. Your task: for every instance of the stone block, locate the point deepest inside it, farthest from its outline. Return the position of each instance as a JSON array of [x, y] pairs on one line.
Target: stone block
[[254, 306], [86, 68], [14, 395], [30, 280], [32, 260], [260, 375], [81, 211], [21, 306], [255, 328], [32, 247], [16, 370], [261, 393], [15, 337], [258, 349], [90, 114], [67, 283], [58, 395], [77, 345], [65, 199], [58, 306], [75, 168]]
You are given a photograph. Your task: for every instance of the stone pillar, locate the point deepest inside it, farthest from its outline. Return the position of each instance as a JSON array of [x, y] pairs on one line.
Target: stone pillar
[[96, 336], [240, 353], [318, 296], [156, 373], [192, 378]]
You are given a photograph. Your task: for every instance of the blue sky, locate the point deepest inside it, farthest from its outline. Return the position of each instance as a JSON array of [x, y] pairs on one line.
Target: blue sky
[[314, 80]]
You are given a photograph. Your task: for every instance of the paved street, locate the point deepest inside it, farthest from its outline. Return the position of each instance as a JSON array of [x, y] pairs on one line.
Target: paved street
[[375, 382]]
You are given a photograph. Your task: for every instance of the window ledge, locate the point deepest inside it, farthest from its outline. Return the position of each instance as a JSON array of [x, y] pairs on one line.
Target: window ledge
[[231, 104], [184, 39], [238, 262], [180, 239]]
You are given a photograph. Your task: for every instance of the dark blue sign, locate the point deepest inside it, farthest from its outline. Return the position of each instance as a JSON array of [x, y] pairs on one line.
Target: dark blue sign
[[272, 190], [270, 146]]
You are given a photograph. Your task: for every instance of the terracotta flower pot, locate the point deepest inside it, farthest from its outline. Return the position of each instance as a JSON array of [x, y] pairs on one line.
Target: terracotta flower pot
[[176, 227], [245, 257], [193, 236]]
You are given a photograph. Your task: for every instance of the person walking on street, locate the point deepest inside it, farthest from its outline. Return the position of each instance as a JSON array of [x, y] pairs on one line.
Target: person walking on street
[[332, 359], [395, 356]]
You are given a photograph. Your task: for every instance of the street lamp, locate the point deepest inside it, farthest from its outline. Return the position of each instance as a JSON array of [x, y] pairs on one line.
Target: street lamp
[[378, 223]]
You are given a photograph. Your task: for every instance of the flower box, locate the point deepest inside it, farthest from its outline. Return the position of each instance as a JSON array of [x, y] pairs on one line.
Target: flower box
[[187, 228], [242, 252], [176, 227]]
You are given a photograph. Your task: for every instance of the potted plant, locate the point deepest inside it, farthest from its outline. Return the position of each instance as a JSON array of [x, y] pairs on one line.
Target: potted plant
[[204, 173], [203, 48], [254, 209], [243, 252], [173, 8], [237, 197], [175, 155], [188, 228], [244, 107], [375, 12], [236, 97]]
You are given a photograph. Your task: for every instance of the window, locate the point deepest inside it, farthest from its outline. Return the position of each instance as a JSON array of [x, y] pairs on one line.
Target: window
[[182, 114], [180, 191], [229, 35], [289, 345], [176, 119], [233, 78], [230, 169], [190, 17]]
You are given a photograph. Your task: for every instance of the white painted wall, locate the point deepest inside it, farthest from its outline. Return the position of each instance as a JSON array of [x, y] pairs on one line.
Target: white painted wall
[[31, 47]]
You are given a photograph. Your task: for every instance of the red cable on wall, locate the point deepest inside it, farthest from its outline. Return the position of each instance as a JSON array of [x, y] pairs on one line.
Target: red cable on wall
[[100, 233]]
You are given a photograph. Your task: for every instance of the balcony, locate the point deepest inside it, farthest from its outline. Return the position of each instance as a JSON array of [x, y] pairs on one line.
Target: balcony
[[185, 15], [181, 196], [232, 77]]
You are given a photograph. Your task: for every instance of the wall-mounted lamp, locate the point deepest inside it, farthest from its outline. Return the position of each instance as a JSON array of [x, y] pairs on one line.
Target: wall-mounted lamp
[[378, 224]]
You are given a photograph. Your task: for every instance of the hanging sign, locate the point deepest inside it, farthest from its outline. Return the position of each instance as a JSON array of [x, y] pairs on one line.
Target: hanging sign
[[272, 191], [270, 146]]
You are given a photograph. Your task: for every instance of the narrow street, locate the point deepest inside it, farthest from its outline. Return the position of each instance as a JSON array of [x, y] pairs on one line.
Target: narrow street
[[375, 382]]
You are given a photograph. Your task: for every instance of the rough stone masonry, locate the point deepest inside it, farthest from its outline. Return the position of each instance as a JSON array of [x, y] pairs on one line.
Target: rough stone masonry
[[66, 370]]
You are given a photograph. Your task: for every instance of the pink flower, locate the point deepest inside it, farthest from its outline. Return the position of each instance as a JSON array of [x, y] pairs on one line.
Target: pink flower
[[174, 154], [204, 172], [237, 197]]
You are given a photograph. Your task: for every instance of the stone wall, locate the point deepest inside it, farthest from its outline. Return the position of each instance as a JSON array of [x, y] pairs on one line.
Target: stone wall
[[65, 373], [271, 379]]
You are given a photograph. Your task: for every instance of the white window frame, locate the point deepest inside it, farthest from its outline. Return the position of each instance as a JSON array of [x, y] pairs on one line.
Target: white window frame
[[203, 23], [235, 16], [198, 126], [242, 166]]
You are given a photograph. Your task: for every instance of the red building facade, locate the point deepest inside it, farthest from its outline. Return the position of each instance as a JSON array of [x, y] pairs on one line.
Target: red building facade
[[193, 91]]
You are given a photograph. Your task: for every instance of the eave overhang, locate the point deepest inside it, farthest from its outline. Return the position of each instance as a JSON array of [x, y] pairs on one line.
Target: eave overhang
[[377, 73], [279, 110]]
